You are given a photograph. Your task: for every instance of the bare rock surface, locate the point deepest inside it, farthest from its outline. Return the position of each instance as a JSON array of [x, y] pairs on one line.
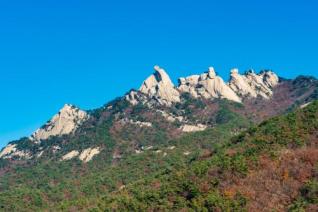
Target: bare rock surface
[[193, 128], [252, 85], [11, 151], [88, 154], [160, 87], [70, 155], [208, 85], [65, 122]]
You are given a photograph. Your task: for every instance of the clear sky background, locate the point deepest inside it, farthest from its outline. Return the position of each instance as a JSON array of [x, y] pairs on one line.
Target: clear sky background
[[89, 52]]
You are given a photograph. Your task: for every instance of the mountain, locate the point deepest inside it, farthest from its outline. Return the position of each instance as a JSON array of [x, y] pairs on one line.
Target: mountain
[[65, 122], [68, 119], [269, 167], [207, 85], [149, 138]]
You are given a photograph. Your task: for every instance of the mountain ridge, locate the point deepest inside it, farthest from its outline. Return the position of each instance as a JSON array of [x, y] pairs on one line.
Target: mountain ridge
[[207, 85], [158, 91], [219, 177], [189, 154]]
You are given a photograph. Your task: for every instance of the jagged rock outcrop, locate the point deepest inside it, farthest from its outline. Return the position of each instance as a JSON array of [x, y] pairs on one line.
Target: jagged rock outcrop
[[88, 154], [160, 87], [10, 148], [207, 85], [136, 97], [270, 78], [133, 97], [253, 85], [66, 121], [189, 85], [170, 117], [11, 151]]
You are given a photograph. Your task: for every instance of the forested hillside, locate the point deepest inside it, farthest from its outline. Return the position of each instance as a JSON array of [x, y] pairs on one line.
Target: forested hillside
[[205, 145], [270, 166]]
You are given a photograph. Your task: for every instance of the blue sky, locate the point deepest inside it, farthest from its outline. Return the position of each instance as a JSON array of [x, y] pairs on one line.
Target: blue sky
[[89, 52]]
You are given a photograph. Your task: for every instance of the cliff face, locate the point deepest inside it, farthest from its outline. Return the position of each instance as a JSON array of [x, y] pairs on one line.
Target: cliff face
[[160, 87], [208, 86], [66, 121], [252, 85]]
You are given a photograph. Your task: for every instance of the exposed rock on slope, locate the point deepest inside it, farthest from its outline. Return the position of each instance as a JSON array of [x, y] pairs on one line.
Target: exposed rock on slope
[[70, 155], [10, 148], [240, 84], [133, 97], [270, 78], [66, 121], [160, 87], [193, 128], [11, 151], [253, 85], [85, 156], [138, 123], [207, 85], [170, 117], [88, 154]]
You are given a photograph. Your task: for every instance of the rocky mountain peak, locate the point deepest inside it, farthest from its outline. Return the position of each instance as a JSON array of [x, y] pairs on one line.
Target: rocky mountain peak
[[66, 108], [251, 85], [66, 121], [211, 73], [234, 72], [207, 85], [160, 87], [270, 78]]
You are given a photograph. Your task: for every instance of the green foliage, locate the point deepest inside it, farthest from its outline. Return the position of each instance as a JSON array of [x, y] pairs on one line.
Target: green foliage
[[225, 114], [309, 195], [310, 192], [155, 182]]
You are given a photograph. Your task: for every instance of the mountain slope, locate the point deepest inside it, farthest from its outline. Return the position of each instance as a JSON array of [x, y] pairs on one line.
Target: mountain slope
[[196, 104], [79, 158], [263, 168], [223, 175]]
